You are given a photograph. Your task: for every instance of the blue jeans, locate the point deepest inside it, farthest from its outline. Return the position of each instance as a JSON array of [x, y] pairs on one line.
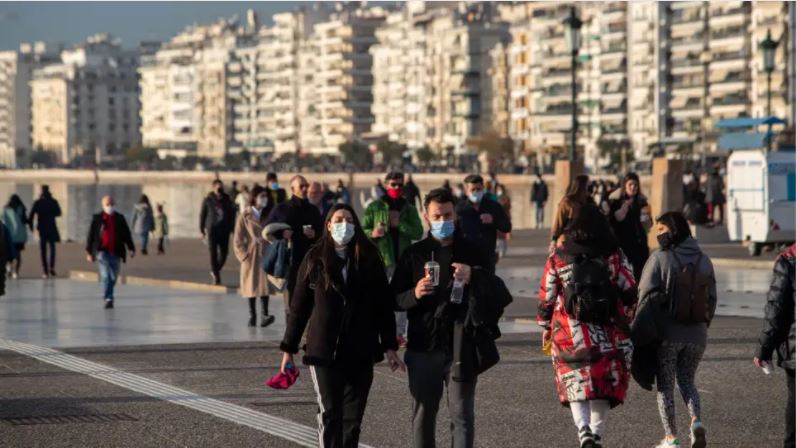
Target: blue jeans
[[108, 272], [539, 214], [144, 242]]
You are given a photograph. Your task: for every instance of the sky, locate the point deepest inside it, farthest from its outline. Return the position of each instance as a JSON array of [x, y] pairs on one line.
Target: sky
[[72, 22]]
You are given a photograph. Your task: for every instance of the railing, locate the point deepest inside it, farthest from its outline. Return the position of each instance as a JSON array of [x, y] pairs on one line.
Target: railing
[[728, 56], [731, 32], [729, 12], [687, 40], [731, 101], [686, 63]]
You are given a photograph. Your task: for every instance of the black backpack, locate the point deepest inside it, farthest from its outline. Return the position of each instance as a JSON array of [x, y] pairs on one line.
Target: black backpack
[[691, 295], [590, 296]]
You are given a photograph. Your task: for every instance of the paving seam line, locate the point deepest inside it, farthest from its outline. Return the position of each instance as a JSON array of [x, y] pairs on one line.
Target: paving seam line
[[276, 426], [156, 282]]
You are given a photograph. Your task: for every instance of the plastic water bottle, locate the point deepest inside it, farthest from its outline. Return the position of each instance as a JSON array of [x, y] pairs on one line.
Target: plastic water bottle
[[457, 293]]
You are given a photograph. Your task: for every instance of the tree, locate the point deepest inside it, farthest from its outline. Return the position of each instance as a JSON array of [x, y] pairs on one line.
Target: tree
[[614, 150], [425, 155], [357, 154], [391, 152], [141, 154], [498, 148], [42, 157]]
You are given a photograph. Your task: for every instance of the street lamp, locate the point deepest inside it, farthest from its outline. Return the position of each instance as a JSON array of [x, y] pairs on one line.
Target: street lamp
[[572, 26], [769, 47]]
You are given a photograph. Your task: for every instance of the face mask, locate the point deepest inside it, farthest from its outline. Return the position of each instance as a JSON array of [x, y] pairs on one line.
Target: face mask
[[108, 209], [476, 196], [665, 240], [395, 193], [274, 185], [262, 202], [342, 232], [442, 230]]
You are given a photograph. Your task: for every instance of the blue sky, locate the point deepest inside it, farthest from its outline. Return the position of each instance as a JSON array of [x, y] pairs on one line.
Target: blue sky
[[72, 22]]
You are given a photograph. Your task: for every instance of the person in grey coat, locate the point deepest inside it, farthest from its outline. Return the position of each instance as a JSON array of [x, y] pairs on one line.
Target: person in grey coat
[[143, 222], [681, 343]]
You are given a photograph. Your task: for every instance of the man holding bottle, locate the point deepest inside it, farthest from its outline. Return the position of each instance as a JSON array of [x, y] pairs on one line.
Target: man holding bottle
[[425, 281]]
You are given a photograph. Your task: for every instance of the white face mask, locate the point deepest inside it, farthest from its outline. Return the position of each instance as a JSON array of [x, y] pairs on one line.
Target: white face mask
[[342, 232], [108, 209], [262, 202]]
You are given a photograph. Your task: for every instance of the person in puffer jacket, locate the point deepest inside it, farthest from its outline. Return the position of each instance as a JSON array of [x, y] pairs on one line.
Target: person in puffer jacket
[[779, 332]]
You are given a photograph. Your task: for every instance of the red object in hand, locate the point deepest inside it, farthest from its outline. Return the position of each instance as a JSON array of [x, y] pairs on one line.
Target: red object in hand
[[283, 380]]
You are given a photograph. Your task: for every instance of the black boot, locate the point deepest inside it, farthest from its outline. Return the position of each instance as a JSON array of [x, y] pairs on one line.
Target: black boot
[[267, 318], [252, 311]]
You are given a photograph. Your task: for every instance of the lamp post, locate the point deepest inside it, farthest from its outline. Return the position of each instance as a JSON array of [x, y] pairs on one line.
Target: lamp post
[[572, 26], [769, 47]]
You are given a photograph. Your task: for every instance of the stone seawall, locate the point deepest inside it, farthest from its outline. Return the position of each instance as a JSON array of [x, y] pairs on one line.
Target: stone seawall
[[79, 192]]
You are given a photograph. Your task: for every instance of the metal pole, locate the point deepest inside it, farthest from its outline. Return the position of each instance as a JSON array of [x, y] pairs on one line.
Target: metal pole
[[768, 110], [573, 146]]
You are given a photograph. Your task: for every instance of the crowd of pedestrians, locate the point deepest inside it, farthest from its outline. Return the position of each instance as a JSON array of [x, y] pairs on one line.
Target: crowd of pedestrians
[[358, 291]]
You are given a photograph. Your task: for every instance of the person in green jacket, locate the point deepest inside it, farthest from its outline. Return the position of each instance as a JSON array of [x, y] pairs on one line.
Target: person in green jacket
[[392, 223]]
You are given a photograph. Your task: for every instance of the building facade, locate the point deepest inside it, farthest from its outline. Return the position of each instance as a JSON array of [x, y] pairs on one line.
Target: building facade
[[87, 107], [16, 72]]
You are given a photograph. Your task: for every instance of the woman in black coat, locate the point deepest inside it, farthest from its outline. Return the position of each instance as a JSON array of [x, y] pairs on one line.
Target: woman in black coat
[[342, 293], [630, 219]]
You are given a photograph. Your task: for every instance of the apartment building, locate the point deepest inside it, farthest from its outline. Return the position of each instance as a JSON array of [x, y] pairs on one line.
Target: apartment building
[[87, 107], [433, 74], [712, 67], [16, 72], [338, 57]]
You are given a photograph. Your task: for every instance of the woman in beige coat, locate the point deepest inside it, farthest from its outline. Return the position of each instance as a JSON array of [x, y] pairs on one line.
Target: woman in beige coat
[[249, 247]]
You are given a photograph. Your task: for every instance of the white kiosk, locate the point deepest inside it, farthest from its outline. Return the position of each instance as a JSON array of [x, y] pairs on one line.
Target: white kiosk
[[761, 198]]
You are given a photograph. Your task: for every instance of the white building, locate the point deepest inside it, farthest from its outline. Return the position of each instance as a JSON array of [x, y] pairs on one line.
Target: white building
[[16, 72], [338, 59], [88, 105]]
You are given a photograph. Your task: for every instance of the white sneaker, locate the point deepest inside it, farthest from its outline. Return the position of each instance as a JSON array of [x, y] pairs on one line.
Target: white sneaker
[[668, 443], [698, 435]]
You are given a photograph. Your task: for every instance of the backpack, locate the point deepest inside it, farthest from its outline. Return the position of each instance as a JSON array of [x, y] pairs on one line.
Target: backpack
[[590, 296], [689, 297]]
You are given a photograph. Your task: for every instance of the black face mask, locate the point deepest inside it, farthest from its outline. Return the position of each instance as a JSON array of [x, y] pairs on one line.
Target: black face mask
[[665, 240]]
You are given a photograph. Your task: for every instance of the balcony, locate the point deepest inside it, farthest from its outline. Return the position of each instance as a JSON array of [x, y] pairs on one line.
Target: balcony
[[688, 40], [718, 57], [728, 12], [554, 73], [731, 100], [685, 16], [737, 31]]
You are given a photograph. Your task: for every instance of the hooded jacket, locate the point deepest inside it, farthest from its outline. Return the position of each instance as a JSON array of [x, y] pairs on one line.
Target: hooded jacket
[[659, 276], [143, 220], [779, 329]]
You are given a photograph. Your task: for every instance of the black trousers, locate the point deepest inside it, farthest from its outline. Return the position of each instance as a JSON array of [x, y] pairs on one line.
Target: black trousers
[[790, 412], [342, 390], [218, 243], [47, 263], [161, 246]]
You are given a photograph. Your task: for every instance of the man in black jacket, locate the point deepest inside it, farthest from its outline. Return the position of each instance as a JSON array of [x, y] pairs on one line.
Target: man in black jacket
[[779, 332], [216, 223], [431, 318], [305, 226], [481, 218], [107, 243], [44, 212]]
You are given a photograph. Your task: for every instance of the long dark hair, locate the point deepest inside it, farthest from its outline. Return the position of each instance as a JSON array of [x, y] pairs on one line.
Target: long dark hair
[[364, 255], [15, 202], [589, 229], [256, 191], [144, 199], [578, 189]]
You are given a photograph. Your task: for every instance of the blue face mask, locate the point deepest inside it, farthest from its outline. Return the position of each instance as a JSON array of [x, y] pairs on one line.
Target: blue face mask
[[442, 230], [274, 185], [476, 196]]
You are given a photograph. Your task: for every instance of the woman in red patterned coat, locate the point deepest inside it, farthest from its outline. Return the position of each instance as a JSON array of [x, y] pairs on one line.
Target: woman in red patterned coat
[[588, 278]]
